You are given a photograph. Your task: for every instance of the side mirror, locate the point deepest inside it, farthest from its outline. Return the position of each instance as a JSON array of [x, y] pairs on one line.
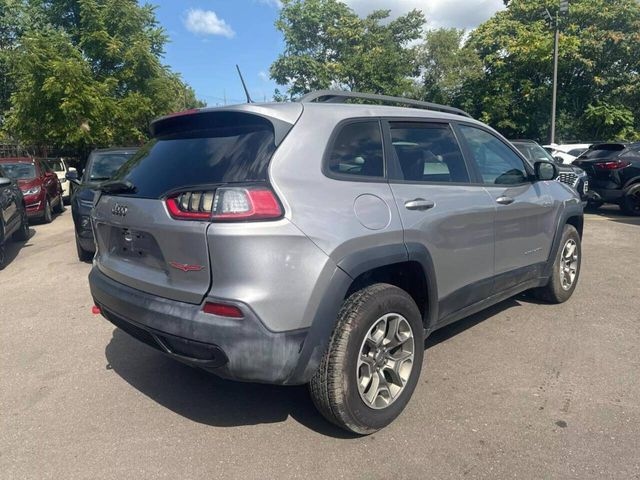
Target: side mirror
[[546, 171], [72, 176], [4, 181]]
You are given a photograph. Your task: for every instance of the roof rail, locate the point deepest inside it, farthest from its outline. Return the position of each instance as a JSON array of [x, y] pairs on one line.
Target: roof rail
[[335, 96]]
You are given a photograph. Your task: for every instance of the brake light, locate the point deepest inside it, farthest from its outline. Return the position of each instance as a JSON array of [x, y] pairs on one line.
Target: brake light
[[614, 165], [222, 310], [226, 204]]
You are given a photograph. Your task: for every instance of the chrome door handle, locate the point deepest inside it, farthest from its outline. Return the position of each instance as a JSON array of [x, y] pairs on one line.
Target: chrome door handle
[[419, 204], [505, 200]]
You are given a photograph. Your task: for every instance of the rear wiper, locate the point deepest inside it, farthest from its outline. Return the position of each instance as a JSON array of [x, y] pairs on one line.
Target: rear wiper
[[118, 186]]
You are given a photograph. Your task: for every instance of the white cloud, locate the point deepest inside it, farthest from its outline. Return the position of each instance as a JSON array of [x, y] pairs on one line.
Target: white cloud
[[271, 3], [465, 14], [264, 76], [206, 22]]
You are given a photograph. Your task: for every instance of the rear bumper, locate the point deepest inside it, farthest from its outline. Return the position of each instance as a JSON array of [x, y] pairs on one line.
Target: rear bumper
[[606, 195], [241, 349]]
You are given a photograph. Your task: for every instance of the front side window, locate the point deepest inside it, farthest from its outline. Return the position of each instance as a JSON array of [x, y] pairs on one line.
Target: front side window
[[496, 162], [102, 166], [428, 153], [357, 151]]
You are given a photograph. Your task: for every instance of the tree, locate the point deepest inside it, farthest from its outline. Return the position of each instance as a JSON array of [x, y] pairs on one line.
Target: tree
[[599, 69], [89, 73], [447, 65], [328, 45]]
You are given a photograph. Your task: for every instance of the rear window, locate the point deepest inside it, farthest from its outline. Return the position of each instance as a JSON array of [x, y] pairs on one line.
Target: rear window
[[603, 151], [214, 149]]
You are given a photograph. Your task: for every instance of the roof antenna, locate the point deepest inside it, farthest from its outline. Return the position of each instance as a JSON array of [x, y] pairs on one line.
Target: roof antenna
[[244, 85]]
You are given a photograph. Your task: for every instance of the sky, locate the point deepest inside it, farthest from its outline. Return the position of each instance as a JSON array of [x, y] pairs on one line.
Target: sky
[[208, 37]]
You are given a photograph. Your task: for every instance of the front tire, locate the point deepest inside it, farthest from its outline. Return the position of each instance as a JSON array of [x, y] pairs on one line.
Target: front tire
[[47, 217], [566, 269], [373, 361]]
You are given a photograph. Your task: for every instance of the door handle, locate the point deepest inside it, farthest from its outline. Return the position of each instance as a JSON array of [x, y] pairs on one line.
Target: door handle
[[419, 204], [505, 200]]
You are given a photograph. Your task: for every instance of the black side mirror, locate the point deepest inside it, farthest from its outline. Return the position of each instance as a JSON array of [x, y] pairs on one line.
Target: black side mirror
[[72, 176], [4, 181], [546, 171]]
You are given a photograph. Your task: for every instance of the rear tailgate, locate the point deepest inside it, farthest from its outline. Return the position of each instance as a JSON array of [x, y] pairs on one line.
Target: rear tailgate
[[140, 245], [153, 236]]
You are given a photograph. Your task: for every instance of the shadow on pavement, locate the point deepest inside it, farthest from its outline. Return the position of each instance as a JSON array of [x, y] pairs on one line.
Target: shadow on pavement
[[614, 214], [207, 399], [12, 248]]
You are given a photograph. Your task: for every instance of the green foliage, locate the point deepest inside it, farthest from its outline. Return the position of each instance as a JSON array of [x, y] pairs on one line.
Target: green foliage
[[86, 73], [329, 46], [598, 77], [447, 66]]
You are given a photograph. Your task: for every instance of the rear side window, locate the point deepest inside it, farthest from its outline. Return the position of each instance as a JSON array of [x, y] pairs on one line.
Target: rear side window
[[497, 163], [428, 153], [215, 149], [357, 151]]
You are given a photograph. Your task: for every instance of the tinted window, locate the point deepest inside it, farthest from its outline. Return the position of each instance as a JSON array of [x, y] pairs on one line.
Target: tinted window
[[576, 152], [56, 165], [19, 171], [602, 151], [428, 153], [103, 166], [226, 154], [533, 152], [497, 163], [631, 154], [357, 150]]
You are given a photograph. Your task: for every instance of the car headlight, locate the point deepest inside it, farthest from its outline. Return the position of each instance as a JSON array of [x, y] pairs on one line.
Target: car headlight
[[32, 191]]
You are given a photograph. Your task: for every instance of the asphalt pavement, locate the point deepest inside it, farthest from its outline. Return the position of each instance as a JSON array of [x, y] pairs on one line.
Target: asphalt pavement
[[522, 390]]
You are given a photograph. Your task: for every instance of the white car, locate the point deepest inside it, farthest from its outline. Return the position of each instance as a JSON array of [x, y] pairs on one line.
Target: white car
[[567, 152], [60, 167]]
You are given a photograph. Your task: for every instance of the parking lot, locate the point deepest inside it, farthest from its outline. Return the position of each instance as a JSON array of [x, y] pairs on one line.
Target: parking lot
[[523, 390]]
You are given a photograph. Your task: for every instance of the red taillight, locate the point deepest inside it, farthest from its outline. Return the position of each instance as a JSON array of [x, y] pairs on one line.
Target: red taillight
[[615, 165], [226, 204], [222, 310]]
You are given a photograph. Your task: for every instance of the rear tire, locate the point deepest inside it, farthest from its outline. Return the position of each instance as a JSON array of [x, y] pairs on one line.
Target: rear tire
[[630, 203], [3, 255], [83, 255], [592, 206], [373, 361], [566, 269]]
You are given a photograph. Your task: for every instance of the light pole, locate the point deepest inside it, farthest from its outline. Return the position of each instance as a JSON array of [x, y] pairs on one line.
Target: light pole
[[564, 7]]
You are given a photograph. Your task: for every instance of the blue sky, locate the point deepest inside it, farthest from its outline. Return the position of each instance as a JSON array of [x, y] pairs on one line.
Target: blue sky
[[208, 37]]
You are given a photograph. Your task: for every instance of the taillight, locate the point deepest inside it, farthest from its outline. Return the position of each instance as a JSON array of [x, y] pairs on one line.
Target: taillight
[[226, 204], [614, 165]]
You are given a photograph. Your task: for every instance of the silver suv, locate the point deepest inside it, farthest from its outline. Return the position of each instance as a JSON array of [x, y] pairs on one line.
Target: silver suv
[[321, 241]]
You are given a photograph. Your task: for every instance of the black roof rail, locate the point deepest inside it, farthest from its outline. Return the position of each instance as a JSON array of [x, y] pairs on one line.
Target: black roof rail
[[335, 96]]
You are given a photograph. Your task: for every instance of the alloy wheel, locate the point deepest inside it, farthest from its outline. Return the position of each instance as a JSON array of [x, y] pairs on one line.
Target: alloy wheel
[[569, 264], [385, 360]]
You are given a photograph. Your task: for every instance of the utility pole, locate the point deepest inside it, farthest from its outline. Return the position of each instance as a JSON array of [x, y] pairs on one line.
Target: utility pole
[[564, 7]]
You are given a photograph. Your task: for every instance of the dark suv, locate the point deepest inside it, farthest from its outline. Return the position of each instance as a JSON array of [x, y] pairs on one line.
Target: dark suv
[[320, 241], [614, 175], [100, 167], [13, 214]]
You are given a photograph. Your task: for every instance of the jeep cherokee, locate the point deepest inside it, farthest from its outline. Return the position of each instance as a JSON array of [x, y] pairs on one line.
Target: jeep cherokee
[[321, 241]]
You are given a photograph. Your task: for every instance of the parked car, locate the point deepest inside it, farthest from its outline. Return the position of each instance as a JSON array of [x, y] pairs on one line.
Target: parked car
[[614, 175], [39, 184], [101, 166], [571, 175], [314, 242], [567, 152], [14, 221], [60, 167]]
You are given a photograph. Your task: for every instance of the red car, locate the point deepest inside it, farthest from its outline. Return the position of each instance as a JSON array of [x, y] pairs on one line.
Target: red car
[[39, 184]]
